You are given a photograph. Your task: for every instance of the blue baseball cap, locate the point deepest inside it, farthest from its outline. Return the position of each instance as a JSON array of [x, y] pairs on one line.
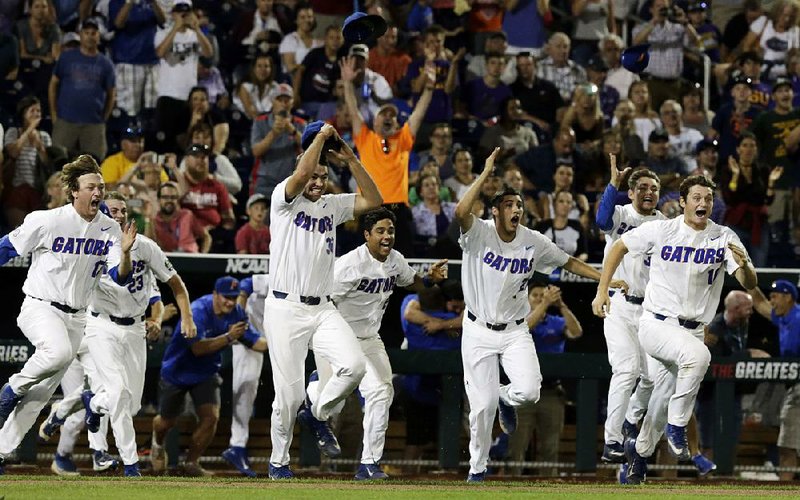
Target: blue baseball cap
[[706, 144], [360, 27], [311, 131], [246, 285], [227, 286], [784, 286], [635, 59]]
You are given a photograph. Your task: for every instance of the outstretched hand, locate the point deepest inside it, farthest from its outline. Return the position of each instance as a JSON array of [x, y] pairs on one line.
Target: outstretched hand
[[438, 271], [739, 255], [128, 237], [616, 175], [489, 165]]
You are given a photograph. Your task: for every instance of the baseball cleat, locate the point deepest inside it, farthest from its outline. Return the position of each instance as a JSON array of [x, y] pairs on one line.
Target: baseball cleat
[[613, 453], [370, 472], [280, 472], [629, 430], [622, 473], [237, 456], [326, 440], [132, 470], [476, 477], [64, 466], [158, 458], [50, 426], [637, 464], [507, 417], [92, 419], [703, 464], [677, 441], [8, 401], [193, 469], [102, 461]]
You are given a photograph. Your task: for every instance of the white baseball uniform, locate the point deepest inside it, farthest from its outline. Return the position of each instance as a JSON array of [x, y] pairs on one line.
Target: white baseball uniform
[[495, 277], [681, 297], [71, 408], [115, 357], [621, 326], [68, 257], [298, 313], [361, 292], [247, 365]]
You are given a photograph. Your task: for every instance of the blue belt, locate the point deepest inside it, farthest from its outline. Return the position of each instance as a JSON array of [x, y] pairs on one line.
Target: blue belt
[[633, 299], [686, 323], [121, 321], [498, 327], [311, 301]]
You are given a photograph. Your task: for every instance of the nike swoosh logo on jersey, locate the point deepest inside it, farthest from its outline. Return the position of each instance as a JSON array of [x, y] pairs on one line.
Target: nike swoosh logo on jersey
[[105, 228], [712, 239], [528, 248]]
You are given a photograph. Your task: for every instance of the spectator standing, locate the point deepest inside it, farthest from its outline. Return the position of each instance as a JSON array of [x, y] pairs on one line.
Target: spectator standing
[[748, 189], [783, 311], [253, 237], [315, 76], [485, 18], [540, 99], [496, 43], [695, 114], [39, 36], [545, 419], [558, 68], [275, 142], [432, 216], [773, 35], [440, 153], [82, 76], [201, 111], [539, 164], [682, 140], [206, 197], [176, 229], [385, 148], [524, 23], [218, 164], [611, 47], [134, 53], [734, 118], [118, 164], [737, 28], [373, 89], [297, 44], [625, 124], [192, 366], [563, 229], [667, 39], [593, 20], [708, 35], [389, 61], [585, 117], [483, 97], [25, 150], [178, 47], [254, 96], [596, 73], [662, 161], [645, 119]]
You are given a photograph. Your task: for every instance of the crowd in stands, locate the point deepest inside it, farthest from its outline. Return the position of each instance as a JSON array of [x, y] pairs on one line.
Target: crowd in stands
[[195, 110]]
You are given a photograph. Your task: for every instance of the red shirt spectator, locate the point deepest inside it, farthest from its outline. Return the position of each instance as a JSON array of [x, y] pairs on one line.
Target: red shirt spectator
[[176, 229], [207, 198], [254, 237]]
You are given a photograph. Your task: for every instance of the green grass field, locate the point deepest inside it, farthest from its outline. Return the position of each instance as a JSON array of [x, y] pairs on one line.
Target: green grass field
[[157, 488]]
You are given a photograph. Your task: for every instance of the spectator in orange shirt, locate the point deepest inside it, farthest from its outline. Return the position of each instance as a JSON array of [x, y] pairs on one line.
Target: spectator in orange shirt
[[385, 148], [176, 229], [253, 237], [385, 58]]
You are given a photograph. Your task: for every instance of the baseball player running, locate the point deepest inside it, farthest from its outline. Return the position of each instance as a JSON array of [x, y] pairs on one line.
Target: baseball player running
[[71, 247], [299, 308], [364, 279], [627, 360], [116, 330], [500, 257], [247, 365], [682, 294]]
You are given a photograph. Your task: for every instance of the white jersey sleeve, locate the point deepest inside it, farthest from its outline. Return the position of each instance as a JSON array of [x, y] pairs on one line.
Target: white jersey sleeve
[[407, 273], [634, 269], [30, 234]]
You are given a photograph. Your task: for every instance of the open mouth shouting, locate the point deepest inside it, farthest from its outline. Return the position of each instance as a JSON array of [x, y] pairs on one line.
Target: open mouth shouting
[[515, 220], [701, 213], [386, 245]]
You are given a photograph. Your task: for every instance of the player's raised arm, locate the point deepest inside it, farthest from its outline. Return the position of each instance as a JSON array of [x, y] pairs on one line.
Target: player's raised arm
[[602, 303], [746, 275], [464, 207], [605, 211], [308, 163], [760, 302], [188, 328], [370, 196]]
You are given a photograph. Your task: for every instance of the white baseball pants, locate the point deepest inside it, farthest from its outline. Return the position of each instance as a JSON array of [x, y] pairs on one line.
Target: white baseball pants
[[71, 407], [247, 365], [292, 328], [56, 336], [625, 355], [681, 361], [481, 349], [377, 390]]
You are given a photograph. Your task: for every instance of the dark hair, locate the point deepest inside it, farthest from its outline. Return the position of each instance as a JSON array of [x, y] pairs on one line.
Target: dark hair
[[422, 178], [451, 289], [443, 125], [201, 127], [116, 195], [507, 190], [497, 34], [462, 150], [504, 106], [198, 88], [169, 184], [333, 27], [746, 135], [23, 105], [695, 180], [752, 5], [433, 29], [642, 172], [372, 217], [82, 165], [494, 55], [270, 78]]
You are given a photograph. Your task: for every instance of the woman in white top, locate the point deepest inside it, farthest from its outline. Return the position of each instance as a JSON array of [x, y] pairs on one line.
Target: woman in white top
[[563, 179], [297, 44], [772, 36], [463, 178], [645, 120], [253, 96]]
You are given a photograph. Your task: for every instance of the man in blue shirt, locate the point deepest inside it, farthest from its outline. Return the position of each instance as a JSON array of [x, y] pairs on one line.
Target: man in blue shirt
[[545, 418], [783, 311], [134, 54], [192, 365]]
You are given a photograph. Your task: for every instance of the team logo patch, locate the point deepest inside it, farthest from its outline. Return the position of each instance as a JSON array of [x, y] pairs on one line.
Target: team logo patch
[[168, 265]]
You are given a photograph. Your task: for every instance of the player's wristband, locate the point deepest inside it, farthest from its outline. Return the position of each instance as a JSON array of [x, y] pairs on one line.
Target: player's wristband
[[427, 282]]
